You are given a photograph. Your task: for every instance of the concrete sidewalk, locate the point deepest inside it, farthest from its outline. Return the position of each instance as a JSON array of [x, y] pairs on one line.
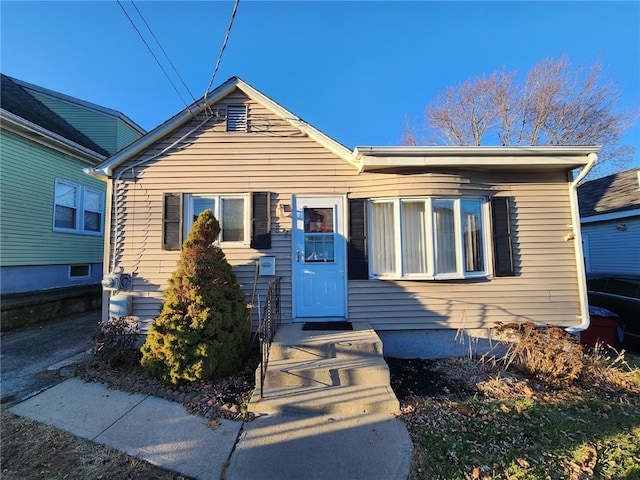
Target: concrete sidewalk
[[336, 447], [153, 429]]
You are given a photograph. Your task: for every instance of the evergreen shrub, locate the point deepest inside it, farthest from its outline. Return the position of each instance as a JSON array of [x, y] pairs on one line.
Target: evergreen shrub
[[202, 330]]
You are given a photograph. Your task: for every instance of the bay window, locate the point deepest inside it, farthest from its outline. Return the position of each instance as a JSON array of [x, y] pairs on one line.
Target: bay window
[[428, 238]]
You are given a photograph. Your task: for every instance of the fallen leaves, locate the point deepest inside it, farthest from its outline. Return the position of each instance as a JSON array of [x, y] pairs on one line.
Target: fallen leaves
[[513, 428]]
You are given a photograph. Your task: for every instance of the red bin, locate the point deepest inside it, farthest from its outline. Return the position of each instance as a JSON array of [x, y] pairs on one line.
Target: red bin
[[604, 328]]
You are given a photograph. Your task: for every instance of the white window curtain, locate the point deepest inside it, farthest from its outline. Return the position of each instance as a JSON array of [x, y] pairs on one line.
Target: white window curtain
[[414, 238], [444, 236], [383, 244], [472, 225]]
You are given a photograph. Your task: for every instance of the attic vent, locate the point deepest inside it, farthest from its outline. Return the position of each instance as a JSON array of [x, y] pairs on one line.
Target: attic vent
[[237, 118]]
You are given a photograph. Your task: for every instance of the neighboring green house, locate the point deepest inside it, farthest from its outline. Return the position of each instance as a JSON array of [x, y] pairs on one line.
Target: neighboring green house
[[52, 213]]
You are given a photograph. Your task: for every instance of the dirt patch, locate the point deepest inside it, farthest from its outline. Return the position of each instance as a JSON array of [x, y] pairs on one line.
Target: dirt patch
[[424, 378], [225, 398]]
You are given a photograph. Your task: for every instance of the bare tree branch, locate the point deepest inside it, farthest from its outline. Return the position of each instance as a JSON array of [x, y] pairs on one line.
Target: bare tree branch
[[556, 104]]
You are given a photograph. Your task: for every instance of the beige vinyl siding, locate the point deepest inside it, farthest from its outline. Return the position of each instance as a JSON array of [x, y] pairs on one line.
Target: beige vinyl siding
[[544, 290], [27, 190], [276, 157]]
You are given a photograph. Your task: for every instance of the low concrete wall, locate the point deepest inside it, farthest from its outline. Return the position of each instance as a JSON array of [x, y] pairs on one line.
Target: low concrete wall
[[432, 344], [25, 309]]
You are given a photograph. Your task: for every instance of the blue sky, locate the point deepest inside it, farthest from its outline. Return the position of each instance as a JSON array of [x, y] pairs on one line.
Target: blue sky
[[354, 70]]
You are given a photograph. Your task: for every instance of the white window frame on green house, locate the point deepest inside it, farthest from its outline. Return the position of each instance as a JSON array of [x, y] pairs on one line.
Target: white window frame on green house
[[233, 230], [428, 238], [85, 205]]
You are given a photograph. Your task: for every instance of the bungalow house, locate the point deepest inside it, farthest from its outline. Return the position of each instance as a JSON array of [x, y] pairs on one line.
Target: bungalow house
[[610, 218], [52, 218], [420, 242]]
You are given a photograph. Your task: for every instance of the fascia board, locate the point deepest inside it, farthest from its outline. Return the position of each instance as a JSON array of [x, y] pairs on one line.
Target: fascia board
[[511, 158], [611, 216], [36, 133]]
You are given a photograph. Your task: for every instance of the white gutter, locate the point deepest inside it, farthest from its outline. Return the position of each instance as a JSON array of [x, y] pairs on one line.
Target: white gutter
[[382, 158], [577, 244]]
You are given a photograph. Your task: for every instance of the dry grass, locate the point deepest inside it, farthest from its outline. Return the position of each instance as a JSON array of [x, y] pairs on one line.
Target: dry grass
[[32, 450], [547, 409]]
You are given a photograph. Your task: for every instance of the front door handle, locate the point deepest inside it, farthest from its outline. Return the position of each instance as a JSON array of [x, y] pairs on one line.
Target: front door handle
[[298, 252]]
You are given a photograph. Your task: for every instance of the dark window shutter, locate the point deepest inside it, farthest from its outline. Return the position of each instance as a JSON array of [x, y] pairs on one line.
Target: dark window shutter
[[358, 262], [261, 221], [502, 239], [172, 221]]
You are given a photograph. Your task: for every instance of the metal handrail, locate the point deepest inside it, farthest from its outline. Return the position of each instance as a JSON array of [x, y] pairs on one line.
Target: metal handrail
[[268, 326]]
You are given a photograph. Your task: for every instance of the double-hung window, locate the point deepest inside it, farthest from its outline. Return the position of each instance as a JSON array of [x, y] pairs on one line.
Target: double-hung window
[[232, 211], [428, 238], [77, 209]]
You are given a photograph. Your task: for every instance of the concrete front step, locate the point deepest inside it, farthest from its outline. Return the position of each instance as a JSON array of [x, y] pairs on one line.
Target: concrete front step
[[325, 399], [331, 373], [325, 372]]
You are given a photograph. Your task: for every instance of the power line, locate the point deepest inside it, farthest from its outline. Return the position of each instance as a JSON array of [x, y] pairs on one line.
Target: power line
[[224, 44], [153, 54], [163, 50]]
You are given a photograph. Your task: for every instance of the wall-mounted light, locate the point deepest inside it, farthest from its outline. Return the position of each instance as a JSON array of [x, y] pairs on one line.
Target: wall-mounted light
[[621, 227], [283, 210]]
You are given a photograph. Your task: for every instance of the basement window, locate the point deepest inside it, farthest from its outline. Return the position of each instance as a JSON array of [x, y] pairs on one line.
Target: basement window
[[237, 118], [80, 271]]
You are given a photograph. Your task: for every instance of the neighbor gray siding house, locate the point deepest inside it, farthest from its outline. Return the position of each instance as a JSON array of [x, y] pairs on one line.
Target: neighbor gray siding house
[[610, 218], [410, 239]]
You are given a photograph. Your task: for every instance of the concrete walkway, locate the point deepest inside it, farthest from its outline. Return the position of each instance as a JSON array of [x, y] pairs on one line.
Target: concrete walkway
[[313, 447], [370, 446], [335, 436]]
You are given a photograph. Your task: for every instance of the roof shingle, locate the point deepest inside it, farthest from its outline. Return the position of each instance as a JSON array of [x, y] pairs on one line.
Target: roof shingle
[[614, 193], [18, 101]]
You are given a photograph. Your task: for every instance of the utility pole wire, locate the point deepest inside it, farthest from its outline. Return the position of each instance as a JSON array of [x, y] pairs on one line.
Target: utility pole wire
[[163, 51], [224, 44], [153, 54]]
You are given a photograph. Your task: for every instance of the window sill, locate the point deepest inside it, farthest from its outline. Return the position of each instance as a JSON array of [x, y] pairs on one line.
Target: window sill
[[437, 278], [76, 232]]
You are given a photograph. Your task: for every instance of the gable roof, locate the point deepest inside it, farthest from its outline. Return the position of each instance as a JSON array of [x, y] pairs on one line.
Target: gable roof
[[200, 107], [615, 193], [16, 100]]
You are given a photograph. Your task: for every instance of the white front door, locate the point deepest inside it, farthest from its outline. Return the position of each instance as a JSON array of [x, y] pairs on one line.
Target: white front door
[[319, 254]]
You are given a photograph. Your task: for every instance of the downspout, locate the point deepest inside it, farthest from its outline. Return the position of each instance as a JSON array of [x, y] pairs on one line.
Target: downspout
[[577, 239]]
